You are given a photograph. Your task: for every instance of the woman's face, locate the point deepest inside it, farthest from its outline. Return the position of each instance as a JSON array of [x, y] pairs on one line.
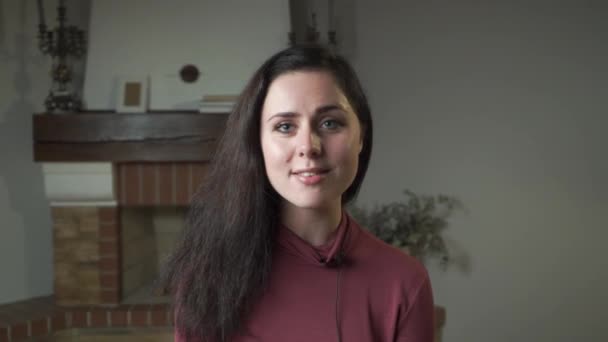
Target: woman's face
[[311, 139]]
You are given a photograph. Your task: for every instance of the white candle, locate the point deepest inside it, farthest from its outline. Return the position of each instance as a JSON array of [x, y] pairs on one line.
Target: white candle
[[40, 13]]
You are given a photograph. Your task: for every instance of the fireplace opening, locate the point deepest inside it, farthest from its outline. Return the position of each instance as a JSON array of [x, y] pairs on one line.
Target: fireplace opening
[[148, 236]]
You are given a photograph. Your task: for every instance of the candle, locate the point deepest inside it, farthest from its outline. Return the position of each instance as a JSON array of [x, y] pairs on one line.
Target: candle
[[331, 21], [40, 13]]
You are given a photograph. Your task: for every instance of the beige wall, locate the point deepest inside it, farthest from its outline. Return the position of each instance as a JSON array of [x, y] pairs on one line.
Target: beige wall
[[502, 104], [225, 44]]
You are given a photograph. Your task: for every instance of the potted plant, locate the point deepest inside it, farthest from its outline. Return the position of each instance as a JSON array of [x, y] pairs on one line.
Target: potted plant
[[414, 225]]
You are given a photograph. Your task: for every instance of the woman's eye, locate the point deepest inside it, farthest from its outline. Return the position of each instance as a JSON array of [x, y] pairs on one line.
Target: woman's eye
[[330, 124], [284, 127]]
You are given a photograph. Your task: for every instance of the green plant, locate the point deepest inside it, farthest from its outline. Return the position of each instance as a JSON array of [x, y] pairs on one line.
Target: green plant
[[414, 225]]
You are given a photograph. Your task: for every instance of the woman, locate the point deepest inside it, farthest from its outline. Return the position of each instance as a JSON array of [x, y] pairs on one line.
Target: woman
[[269, 253]]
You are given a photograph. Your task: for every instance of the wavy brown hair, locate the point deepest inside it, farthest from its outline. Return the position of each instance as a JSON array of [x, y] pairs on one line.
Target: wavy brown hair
[[223, 260]]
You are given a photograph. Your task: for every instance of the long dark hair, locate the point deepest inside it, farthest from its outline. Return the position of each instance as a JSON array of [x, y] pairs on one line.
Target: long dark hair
[[223, 259]]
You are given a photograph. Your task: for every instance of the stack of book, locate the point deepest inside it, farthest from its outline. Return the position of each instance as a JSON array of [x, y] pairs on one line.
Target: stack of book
[[217, 103]]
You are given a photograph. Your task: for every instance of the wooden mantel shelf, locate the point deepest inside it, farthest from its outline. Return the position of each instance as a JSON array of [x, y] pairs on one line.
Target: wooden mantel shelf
[[113, 137]]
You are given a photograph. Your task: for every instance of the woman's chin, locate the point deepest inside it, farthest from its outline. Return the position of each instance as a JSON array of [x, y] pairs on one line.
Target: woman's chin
[[310, 203]]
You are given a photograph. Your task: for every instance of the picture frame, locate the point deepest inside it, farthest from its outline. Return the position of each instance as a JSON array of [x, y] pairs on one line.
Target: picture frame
[[132, 95]]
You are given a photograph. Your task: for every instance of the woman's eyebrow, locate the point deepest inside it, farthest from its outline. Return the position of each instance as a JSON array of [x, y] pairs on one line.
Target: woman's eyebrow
[[328, 108], [284, 115], [318, 111]]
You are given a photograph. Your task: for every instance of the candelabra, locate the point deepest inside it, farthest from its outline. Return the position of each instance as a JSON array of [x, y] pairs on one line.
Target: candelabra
[[61, 43], [311, 35]]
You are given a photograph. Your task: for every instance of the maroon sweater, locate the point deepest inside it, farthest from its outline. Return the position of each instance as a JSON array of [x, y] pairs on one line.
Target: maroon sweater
[[375, 293]]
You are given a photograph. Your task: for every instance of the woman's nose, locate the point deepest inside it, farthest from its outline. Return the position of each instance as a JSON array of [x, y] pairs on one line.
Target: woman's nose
[[309, 145]]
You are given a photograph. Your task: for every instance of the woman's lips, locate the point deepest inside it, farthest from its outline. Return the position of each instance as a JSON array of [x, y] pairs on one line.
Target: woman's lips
[[311, 177]]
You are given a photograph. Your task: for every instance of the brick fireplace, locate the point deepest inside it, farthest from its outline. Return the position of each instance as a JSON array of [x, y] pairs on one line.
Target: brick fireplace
[[118, 186], [108, 247]]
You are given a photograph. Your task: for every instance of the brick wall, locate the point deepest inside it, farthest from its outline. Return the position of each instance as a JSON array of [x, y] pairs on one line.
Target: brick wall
[[86, 254], [158, 184], [33, 319]]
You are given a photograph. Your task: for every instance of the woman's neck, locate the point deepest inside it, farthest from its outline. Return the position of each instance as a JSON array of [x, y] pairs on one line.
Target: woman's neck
[[312, 225]]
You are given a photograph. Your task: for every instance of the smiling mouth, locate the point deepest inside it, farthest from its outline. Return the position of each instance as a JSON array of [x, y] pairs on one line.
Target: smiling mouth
[[311, 177]]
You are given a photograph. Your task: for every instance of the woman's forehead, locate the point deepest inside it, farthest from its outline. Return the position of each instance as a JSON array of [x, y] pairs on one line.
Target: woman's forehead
[[303, 91]]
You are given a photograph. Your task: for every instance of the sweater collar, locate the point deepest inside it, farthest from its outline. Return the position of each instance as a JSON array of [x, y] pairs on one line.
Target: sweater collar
[[320, 255]]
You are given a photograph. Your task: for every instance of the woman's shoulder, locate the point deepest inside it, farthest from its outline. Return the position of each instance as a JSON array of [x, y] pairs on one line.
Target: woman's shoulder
[[385, 258]]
